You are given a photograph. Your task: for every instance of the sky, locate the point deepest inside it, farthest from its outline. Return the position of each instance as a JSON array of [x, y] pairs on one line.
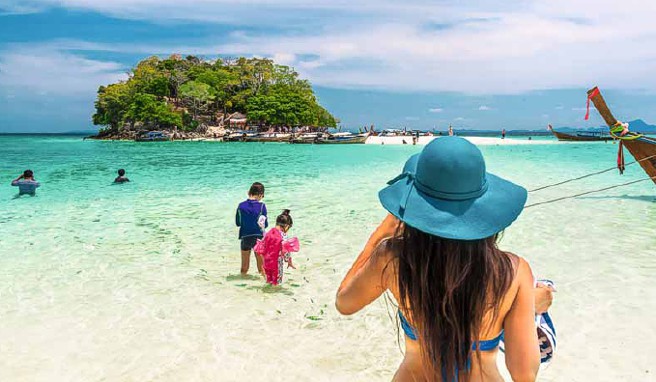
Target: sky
[[486, 64]]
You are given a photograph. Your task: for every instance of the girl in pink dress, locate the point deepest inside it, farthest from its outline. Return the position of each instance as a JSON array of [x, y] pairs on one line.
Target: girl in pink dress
[[275, 249]]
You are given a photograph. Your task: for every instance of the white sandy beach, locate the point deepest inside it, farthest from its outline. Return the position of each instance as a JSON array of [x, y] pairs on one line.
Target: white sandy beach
[[475, 140]]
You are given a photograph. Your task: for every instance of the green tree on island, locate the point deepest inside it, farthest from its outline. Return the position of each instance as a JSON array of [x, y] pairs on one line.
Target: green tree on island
[[185, 93]]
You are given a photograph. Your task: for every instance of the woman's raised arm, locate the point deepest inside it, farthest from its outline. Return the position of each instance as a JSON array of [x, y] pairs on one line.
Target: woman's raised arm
[[363, 282]]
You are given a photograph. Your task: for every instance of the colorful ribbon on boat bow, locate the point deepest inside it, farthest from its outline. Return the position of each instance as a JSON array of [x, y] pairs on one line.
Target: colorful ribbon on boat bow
[[620, 158], [587, 106]]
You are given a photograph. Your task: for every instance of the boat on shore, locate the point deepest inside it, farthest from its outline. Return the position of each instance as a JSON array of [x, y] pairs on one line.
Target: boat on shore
[[268, 137], [582, 136], [238, 136], [153, 136], [343, 138], [305, 138]]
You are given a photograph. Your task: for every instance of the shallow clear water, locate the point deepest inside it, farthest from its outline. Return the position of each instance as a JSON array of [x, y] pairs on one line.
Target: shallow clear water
[[139, 281]]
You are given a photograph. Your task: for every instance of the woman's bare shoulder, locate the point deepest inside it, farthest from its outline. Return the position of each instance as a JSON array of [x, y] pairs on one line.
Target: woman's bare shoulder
[[521, 267], [386, 255]]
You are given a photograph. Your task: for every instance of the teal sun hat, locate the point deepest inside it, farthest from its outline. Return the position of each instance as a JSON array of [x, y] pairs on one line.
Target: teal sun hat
[[445, 191]]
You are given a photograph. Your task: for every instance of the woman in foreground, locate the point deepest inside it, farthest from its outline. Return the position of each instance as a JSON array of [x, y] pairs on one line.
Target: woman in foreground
[[437, 254]]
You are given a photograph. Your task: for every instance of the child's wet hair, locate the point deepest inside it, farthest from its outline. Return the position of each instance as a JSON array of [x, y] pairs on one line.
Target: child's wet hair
[[285, 219], [257, 189], [121, 172], [28, 174]]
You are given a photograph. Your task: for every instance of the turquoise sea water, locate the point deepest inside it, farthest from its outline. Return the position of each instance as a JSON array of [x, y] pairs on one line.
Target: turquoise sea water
[[138, 282]]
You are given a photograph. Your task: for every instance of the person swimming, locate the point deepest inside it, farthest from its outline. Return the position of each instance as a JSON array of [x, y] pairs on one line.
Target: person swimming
[[437, 253], [26, 183], [121, 178]]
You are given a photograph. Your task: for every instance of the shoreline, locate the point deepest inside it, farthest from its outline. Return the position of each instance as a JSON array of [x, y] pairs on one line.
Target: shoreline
[[479, 141], [378, 140]]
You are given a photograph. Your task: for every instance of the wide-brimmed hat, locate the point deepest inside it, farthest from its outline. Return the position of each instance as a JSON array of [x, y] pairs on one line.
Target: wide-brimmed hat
[[445, 191]]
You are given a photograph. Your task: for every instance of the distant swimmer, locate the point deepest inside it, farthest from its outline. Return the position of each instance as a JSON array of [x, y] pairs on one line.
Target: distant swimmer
[[26, 183], [121, 178]]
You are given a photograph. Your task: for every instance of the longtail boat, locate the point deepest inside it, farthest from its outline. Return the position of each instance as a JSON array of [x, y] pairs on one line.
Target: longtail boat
[[642, 148], [269, 137], [305, 138], [343, 138], [153, 136], [581, 136]]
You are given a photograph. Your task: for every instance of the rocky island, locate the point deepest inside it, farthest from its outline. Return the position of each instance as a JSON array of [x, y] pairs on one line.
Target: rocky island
[[193, 98]]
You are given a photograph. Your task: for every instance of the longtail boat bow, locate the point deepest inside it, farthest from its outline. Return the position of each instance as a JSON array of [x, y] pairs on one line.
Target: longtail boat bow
[[642, 148]]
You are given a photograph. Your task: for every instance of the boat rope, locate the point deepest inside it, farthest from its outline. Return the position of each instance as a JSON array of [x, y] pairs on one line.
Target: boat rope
[[589, 192], [589, 175]]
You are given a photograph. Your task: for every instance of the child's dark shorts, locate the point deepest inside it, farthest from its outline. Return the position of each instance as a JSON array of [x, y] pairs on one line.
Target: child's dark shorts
[[248, 242]]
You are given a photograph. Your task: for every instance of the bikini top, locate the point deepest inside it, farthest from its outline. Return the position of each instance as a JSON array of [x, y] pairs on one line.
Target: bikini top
[[486, 345]]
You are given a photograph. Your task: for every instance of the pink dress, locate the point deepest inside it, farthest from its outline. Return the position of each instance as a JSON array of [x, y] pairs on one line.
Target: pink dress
[[275, 249]]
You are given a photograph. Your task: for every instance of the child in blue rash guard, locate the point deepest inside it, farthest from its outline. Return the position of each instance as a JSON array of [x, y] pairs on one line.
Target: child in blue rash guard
[[251, 218]]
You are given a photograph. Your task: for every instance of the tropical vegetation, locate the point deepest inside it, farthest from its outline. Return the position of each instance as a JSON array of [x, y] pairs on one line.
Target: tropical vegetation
[[188, 93]]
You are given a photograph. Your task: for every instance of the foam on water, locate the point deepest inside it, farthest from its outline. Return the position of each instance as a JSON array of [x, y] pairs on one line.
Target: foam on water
[[139, 281]]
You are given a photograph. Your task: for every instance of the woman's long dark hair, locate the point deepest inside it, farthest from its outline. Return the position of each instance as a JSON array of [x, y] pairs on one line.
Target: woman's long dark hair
[[447, 286]]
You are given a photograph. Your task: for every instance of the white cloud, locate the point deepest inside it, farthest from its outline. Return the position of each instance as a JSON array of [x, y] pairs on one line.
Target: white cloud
[[436, 110], [490, 48], [45, 72], [579, 109], [484, 108]]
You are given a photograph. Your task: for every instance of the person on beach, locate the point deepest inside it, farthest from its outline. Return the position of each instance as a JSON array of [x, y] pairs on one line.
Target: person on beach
[[503, 134], [26, 183], [275, 249], [450, 131], [251, 218], [458, 294], [121, 178]]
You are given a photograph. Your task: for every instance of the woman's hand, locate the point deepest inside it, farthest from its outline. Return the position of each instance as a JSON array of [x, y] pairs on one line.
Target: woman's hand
[[543, 298]]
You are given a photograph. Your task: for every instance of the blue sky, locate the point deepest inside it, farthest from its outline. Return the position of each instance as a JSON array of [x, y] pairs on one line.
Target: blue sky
[[490, 64]]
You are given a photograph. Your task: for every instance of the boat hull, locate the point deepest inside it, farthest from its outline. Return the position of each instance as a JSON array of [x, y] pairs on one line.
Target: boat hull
[[644, 151], [580, 138], [343, 141]]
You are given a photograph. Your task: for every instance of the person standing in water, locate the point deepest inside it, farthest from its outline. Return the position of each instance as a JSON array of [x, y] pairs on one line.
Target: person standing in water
[[251, 218], [121, 178], [276, 248], [503, 134], [458, 294], [26, 183]]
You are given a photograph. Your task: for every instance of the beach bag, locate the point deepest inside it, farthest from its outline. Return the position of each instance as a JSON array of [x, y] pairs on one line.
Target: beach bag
[[546, 334]]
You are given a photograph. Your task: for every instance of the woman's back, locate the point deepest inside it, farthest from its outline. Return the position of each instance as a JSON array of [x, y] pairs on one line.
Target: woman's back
[[455, 289], [483, 365]]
